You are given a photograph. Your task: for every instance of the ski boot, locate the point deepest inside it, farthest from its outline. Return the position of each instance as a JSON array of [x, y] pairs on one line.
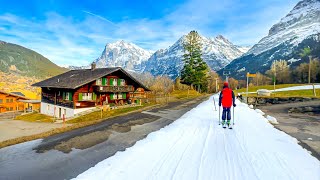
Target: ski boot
[[229, 124], [224, 124]]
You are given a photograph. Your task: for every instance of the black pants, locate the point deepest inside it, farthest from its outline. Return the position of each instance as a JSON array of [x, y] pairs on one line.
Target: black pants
[[226, 113]]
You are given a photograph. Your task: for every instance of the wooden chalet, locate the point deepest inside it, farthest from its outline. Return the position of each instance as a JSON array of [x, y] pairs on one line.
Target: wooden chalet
[[76, 91], [13, 102]]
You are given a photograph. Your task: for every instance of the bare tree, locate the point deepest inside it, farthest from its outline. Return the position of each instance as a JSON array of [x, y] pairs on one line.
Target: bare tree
[[280, 70]]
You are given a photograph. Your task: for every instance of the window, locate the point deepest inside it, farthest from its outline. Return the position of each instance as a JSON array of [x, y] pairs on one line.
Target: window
[[123, 82], [11, 100], [11, 108], [7, 109], [119, 95], [87, 96], [1, 101], [115, 82], [7, 100], [67, 96], [113, 96], [48, 108], [99, 82]]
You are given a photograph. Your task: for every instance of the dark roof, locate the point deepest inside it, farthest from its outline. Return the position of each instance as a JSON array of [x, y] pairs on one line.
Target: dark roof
[[76, 78], [12, 94], [18, 93]]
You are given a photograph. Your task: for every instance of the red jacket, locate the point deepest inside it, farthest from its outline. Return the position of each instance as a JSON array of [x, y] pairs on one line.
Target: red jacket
[[226, 97]]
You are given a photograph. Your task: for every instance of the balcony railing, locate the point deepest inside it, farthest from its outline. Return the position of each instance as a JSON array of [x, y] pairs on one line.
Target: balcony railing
[[128, 88], [59, 102]]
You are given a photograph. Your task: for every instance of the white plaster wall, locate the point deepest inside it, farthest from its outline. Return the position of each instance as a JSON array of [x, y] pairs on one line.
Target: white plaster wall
[[68, 112]]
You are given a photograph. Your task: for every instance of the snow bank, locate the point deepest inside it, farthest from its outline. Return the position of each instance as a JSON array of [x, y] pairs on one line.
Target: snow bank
[[298, 88], [260, 112], [196, 147], [272, 120]]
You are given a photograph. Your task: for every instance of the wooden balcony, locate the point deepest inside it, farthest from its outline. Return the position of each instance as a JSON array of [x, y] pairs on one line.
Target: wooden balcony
[[128, 88]]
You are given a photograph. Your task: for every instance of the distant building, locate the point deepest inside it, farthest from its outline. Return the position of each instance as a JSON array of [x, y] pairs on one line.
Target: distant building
[[79, 90], [11, 102]]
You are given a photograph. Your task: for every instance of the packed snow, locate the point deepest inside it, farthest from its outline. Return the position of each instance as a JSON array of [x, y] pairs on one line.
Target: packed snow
[[196, 147], [306, 87], [260, 112], [272, 119]]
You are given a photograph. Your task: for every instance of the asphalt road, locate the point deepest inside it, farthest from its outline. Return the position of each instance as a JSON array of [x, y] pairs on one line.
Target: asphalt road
[[66, 155], [305, 128]]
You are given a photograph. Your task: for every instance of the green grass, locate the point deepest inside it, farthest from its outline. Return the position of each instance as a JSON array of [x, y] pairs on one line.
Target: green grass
[[94, 116], [34, 117], [298, 93], [183, 94]]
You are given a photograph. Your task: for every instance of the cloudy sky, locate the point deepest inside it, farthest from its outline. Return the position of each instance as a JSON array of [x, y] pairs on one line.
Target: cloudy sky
[[75, 32]]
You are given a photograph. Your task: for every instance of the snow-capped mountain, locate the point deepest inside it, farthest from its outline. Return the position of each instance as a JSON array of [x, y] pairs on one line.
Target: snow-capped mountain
[[298, 29], [217, 52], [123, 54]]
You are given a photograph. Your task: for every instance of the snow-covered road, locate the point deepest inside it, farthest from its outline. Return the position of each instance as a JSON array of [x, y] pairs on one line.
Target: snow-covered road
[[196, 147]]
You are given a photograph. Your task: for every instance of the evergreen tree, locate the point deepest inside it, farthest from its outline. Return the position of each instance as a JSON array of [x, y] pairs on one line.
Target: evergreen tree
[[195, 70]]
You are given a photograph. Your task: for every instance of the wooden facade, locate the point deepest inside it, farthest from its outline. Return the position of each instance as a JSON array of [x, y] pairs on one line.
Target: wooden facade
[[114, 88], [10, 102]]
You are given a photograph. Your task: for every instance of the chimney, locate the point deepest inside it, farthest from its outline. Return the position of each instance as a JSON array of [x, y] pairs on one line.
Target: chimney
[[93, 66]]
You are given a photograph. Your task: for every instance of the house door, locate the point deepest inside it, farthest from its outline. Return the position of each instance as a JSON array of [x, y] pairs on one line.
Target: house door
[[59, 112]]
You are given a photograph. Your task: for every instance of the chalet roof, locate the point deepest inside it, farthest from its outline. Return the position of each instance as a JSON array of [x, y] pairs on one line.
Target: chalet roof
[[12, 94], [76, 78], [18, 93]]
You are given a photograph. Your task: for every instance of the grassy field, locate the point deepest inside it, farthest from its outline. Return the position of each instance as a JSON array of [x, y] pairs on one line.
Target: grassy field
[[105, 114], [183, 94], [34, 117]]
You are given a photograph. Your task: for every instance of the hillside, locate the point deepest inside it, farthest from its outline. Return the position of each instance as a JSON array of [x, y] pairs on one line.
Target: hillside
[[23, 61]]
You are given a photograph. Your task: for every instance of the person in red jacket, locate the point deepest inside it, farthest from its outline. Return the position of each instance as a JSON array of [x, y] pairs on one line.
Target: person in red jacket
[[227, 99]]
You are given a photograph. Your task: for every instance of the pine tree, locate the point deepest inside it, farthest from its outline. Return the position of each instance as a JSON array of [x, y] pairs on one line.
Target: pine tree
[[195, 70]]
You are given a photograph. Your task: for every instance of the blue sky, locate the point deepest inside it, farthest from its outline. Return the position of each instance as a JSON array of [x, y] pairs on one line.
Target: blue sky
[[75, 32]]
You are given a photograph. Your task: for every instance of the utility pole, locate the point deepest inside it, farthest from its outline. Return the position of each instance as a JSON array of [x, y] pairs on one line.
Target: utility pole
[[247, 84], [274, 77], [226, 73], [309, 78]]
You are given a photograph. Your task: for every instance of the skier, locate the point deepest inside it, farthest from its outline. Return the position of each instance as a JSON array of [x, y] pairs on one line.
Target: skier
[[227, 99]]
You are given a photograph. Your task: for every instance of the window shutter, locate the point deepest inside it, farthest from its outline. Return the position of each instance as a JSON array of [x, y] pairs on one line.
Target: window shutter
[[94, 96], [124, 95], [80, 96], [70, 96], [64, 95], [111, 81], [111, 96], [119, 82], [103, 81]]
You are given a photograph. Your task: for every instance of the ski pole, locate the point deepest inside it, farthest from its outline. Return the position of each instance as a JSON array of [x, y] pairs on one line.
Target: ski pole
[[215, 107], [233, 115], [219, 115]]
